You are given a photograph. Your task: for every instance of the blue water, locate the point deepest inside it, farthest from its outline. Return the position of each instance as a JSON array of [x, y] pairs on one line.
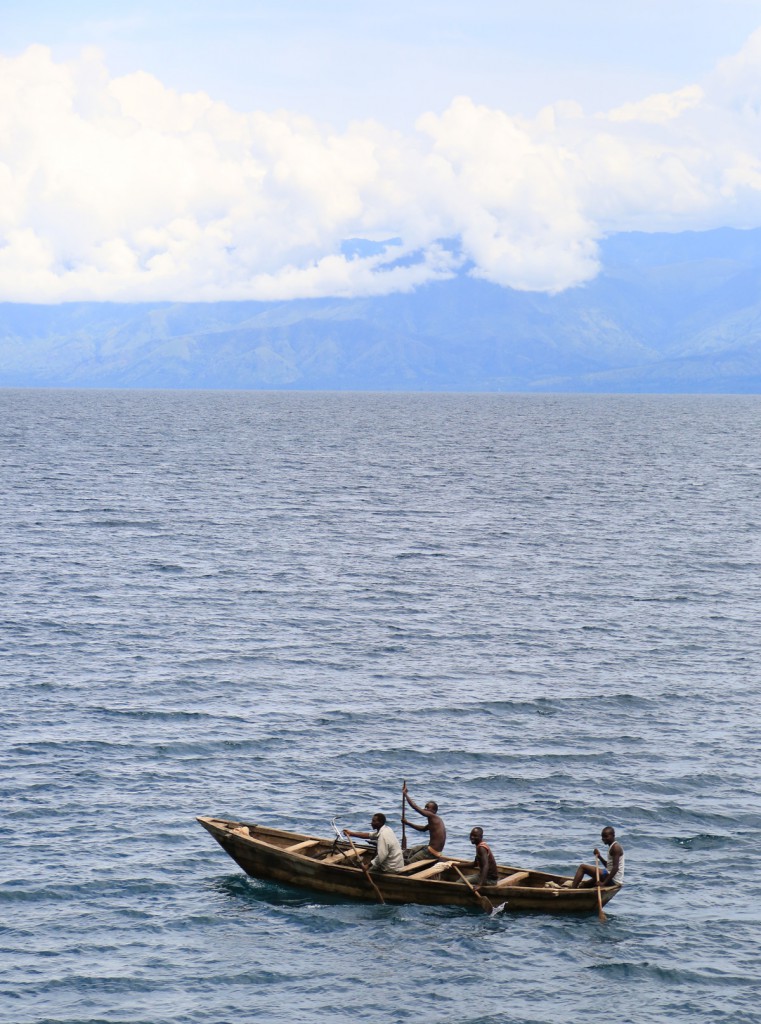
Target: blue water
[[542, 611]]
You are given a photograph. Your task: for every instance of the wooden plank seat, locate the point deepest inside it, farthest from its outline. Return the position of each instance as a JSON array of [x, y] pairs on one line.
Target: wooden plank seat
[[410, 869], [514, 879], [437, 869], [334, 858], [304, 845]]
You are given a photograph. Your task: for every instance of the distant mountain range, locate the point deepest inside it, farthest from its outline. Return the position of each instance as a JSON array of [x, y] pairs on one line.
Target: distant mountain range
[[668, 313]]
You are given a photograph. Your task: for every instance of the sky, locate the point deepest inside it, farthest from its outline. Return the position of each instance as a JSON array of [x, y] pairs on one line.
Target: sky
[[196, 151]]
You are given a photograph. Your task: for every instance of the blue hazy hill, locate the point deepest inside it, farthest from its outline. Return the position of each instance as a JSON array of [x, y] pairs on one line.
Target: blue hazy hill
[[675, 312]]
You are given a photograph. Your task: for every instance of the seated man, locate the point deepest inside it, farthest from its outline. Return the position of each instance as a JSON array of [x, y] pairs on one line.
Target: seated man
[[484, 861], [389, 852], [434, 827], [612, 872]]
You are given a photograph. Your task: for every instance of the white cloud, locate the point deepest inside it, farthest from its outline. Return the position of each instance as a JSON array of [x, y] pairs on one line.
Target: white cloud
[[736, 80], [659, 108], [122, 189]]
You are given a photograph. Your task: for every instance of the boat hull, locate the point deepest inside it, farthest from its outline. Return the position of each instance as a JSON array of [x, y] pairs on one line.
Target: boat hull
[[264, 853]]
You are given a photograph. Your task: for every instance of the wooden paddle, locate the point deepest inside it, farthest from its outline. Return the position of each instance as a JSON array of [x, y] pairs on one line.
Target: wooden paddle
[[404, 827], [362, 864], [485, 905], [600, 911]]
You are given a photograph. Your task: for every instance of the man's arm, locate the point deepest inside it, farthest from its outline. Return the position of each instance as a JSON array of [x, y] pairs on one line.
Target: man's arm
[[482, 861], [418, 828], [411, 802], [357, 835], [615, 852]]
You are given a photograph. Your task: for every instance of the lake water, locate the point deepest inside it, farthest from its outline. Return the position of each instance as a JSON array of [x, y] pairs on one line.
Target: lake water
[[542, 611]]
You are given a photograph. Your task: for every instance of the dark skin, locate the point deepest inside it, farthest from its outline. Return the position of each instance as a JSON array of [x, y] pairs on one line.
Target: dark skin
[[376, 822], [482, 857], [434, 827], [608, 836]]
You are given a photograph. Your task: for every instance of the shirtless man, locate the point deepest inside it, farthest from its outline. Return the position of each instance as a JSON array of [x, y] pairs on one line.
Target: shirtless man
[[484, 860], [612, 870], [434, 827]]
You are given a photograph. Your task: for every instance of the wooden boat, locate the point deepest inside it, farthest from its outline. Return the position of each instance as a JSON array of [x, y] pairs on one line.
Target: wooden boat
[[331, 866]]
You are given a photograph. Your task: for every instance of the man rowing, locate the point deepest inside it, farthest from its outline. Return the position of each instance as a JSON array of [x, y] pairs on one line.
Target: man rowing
[[389, 856], [434, 827], [612, 871], [484, 860]]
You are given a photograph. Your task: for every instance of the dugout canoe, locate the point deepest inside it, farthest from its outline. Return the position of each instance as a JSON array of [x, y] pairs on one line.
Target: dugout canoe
[[330, 866]]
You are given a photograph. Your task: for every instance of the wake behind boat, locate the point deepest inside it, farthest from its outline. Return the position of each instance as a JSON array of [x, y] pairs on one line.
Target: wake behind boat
[[333, 866]]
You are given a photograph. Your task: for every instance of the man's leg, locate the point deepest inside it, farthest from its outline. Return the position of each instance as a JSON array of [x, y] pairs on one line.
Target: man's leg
[[416, 853], [583, 869]]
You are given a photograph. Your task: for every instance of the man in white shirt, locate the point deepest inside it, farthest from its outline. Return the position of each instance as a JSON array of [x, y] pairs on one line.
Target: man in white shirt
[[389, 855]]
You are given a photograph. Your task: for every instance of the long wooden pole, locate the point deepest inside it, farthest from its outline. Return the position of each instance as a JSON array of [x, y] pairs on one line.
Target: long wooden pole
[[362, 864], [600, 911], [485, 905], [404, 827]]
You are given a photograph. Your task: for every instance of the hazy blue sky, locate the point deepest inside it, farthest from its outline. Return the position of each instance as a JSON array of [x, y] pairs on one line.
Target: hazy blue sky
[[341, 59], [225, 150]]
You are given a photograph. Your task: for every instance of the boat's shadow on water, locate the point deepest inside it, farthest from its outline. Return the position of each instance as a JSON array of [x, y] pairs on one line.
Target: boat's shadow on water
[[253, 892], [249, 894]]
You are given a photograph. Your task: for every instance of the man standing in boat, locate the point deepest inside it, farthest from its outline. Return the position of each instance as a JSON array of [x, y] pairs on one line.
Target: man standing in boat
[[389, 857], [484, 860], [435, 828], [612, 870]]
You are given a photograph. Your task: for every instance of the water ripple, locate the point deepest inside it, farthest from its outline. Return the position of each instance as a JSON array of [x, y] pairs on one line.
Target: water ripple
[[541, 611]]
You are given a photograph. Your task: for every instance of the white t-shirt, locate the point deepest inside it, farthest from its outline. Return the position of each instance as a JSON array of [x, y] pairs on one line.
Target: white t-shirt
[[619, 877]]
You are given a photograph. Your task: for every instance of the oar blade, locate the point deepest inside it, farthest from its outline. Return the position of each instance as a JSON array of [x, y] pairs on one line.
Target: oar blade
[[484, 903]]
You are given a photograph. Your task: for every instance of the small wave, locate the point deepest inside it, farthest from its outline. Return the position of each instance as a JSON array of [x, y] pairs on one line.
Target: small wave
[[648, 971], [117, 524], [703, 841], [152, 714], [404, 556]]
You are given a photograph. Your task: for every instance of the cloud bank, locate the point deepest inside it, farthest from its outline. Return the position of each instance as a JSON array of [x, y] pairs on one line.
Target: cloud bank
[[121, 189]]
